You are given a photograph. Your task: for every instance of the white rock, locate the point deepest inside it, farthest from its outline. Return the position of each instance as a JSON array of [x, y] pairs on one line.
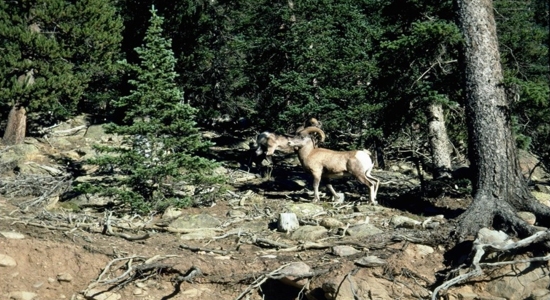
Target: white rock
[[424, 250], [287, 222], [344, 250], [7, 261], [139, 292], [22, 295], [489, 236], [12, 235]]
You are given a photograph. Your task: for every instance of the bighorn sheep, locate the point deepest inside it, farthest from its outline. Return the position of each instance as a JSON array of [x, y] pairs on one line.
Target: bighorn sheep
[[326, 163], [311, 122], [269, 142]]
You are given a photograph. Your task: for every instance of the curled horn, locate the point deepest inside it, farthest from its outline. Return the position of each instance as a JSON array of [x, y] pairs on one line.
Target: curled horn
[[310, 129]]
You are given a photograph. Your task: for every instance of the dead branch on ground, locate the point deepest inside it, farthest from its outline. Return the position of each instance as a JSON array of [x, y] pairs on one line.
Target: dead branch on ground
[[43, 186], [70, 222], [133, 268], [480, 249], [107, 229], [197, 249]]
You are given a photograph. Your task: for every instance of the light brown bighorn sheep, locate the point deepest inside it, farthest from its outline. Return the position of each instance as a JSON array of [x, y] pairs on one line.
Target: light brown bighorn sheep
[[326, 163]]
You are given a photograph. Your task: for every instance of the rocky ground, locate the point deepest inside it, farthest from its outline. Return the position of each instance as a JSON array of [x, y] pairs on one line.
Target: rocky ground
[[54, 246]]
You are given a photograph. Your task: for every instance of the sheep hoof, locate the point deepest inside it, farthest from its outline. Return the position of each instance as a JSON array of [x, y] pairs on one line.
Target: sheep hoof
[[339, 198]]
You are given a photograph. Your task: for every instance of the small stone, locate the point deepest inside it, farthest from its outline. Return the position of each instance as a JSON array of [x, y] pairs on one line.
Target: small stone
[[406, 222], [293, 274], [141, 285], [22, 295], [528, 217], [235, 213], [331, 223], [193, 293], [344, 250], [287, 222], [424, 250], [172, 212], [309, 233], [139, 292], [7, 261], [363, 230], [12, 235], [370, 261], [489, 236], [66, 277]]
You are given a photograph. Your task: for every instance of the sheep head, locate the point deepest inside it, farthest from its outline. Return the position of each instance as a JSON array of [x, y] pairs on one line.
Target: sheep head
[[315, 122]]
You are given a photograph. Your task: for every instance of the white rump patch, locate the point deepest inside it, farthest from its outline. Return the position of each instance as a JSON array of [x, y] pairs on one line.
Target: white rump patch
[[365, 159]]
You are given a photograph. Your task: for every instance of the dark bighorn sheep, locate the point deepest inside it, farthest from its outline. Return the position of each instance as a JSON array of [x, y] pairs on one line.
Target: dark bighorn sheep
[[269, 142], [311, 122], [326, 163]]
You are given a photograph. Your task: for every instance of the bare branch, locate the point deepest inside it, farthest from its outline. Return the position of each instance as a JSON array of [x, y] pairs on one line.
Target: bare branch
[[480, 249]]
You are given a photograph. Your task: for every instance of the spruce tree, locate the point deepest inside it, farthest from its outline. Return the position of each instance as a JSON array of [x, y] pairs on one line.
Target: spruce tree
[[53, 53], [160, 151]]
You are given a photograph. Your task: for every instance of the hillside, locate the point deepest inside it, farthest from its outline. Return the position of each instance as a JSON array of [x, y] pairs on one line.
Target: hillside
[[57, 245]]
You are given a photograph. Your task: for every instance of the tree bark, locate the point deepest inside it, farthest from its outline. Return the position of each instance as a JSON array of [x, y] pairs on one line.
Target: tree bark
[[16, 127], [439, 142], [499, 188]]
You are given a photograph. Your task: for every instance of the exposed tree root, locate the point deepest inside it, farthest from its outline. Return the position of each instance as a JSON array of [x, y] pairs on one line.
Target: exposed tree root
[[480, 249]]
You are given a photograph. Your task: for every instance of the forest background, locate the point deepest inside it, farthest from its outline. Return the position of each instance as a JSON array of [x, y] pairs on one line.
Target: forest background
[[379, 74]]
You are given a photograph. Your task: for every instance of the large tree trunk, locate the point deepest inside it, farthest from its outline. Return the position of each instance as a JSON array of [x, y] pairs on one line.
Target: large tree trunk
[[499, 188], [16, 127], [439, 142]]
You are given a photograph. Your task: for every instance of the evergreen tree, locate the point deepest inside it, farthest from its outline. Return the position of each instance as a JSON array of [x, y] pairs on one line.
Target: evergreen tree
[[53, 51], [499, 188], [160, 151], [523, 44], [322, 65]]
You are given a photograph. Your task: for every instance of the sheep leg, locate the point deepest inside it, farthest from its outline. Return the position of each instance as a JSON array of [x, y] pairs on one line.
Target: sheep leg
[[375, 180], [331, 189], [335, 195], [371, 184], [372, 192], [269, 155], [316, 182]]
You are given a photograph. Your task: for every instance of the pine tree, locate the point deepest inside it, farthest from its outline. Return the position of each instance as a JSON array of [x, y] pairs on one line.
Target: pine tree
[[53, 51], [160, 150]]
